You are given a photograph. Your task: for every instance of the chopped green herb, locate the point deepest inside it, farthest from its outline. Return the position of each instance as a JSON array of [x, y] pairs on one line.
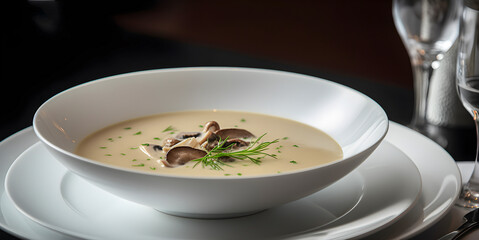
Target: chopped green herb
[[108, 155], [133, 148], [134, 160], [123, 154], [243, 120], [236, 126], [137, 133], [153, 168], [145, 144], [102, 147], [148, 159], [138, 165], [227, 174], [110, 139], [200, 126], [293, 162], [119, 136], [157, 138], [295, 145], [278, 148], [168, 129], [239, 174], [285, 138], [127, 128], [172, 132]]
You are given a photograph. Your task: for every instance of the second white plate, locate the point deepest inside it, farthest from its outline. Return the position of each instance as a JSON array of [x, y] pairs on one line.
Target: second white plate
[[370, 198]]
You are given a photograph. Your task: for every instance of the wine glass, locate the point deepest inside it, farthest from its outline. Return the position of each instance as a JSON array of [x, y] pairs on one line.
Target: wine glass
[[428, 29], [467, 81]]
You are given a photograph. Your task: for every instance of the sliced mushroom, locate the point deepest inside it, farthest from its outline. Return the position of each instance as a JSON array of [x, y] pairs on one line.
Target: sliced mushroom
[[212, 126], [180, 155], [200, 136], [226, 159], [235, 143], [152, 150], [190, 142], [232, 133], [211, 142], [170, 142], [185, 135], [204, 137]]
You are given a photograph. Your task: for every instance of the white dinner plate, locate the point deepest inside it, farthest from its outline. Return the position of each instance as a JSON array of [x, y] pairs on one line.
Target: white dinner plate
[[436, 198], [373, 196], [441, 181], [11, 220]]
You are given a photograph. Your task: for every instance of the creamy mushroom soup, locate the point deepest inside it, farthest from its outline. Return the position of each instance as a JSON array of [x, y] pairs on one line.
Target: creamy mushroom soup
[[187, 143]]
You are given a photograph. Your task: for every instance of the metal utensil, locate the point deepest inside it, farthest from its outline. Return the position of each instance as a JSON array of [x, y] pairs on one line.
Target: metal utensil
[[472, 221]]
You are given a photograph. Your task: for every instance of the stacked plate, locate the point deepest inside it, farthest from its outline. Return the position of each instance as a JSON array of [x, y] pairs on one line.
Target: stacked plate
[[403, 188]]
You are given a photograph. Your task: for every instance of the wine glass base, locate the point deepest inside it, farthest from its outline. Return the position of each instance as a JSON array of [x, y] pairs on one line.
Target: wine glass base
[[468, 198]]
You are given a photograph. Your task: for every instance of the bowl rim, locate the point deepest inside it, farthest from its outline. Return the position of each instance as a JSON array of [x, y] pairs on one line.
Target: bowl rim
[[182, 69]]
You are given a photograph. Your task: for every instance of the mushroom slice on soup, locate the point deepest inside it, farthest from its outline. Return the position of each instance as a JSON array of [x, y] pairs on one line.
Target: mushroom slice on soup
[[190, 142], [180, 155], [232, 133], [152, 150]]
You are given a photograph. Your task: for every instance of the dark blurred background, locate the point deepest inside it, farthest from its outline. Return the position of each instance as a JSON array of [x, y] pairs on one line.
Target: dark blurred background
[[48, 46]]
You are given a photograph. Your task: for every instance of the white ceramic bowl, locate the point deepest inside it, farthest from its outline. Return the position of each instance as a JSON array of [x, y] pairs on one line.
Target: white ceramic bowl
[[355, 121]]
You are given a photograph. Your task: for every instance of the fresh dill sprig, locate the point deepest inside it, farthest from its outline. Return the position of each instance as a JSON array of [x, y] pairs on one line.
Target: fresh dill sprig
[[254, 153]]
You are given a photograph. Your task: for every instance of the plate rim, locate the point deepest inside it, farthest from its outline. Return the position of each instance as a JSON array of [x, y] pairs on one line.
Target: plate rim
[[453, 168], [24, 134]]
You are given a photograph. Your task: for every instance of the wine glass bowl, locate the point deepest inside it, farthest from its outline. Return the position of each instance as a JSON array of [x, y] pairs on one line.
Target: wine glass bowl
[[428, 29], [467, 81]]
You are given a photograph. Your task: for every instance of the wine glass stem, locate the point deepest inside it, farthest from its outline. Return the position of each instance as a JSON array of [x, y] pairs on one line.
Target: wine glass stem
[[422, 77], [469, 196], [473, 182]]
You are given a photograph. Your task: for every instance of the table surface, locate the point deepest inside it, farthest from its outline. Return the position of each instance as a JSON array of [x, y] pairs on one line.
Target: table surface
[[40, 64]]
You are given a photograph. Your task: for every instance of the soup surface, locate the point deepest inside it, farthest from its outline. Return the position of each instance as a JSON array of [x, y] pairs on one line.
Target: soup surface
[[298, 145]]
